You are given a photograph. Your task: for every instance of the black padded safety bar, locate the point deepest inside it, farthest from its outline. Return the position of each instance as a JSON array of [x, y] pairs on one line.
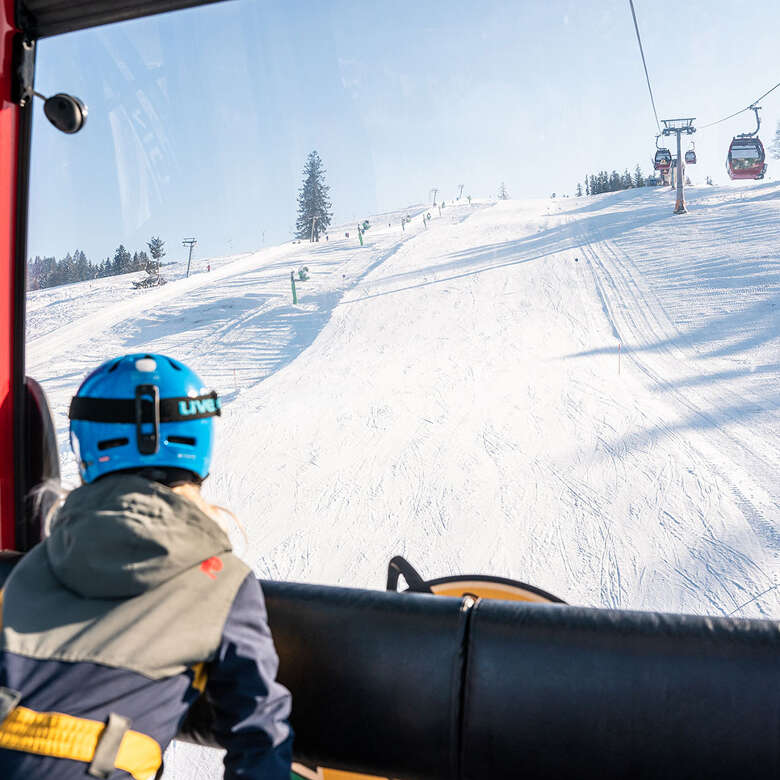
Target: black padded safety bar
[[573, 692], [43, 18], [375, 677], [548, 691]]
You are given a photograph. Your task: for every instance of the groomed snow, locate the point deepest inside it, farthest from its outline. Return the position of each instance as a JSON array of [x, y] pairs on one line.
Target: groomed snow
[[582, 394]]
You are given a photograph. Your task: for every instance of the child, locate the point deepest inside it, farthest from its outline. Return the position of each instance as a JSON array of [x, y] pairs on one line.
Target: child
[[134, 607]]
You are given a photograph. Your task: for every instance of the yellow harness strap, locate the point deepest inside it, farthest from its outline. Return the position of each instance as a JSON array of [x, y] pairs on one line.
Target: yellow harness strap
[[65, 736]]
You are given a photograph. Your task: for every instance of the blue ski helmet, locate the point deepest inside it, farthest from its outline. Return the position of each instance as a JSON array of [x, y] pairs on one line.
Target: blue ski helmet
[[140, 411]]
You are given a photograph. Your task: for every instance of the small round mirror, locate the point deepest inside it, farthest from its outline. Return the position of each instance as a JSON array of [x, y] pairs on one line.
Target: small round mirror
[[65, 112]]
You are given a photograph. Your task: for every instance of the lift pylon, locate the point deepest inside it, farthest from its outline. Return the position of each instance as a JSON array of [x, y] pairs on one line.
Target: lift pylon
[[678, 127]]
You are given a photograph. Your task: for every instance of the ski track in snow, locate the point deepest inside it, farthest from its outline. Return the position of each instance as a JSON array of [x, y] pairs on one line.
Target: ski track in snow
[[453, 395]]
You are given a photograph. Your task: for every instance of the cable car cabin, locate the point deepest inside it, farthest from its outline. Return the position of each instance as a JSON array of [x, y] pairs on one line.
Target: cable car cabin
[[663, 160], [690, 157], [746, 159]]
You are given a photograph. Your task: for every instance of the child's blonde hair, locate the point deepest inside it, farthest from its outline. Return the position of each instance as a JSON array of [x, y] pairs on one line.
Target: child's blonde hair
[[53, 494]]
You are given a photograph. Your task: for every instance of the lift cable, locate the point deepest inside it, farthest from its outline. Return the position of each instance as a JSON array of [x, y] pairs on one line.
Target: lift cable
[[644, 62], [742, 110]]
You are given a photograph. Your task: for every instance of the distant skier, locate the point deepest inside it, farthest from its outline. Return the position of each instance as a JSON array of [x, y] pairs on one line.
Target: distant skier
[[134, 613]]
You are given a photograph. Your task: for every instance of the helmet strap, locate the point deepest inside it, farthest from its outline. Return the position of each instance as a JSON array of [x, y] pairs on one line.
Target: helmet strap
[[147, 430]]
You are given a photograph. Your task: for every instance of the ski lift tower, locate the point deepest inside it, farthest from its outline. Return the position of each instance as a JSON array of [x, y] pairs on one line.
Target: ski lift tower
[[190, 242], [678, 127]]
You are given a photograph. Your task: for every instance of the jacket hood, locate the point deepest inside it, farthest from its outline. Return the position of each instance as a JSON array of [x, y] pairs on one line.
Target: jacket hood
[[123, 535]]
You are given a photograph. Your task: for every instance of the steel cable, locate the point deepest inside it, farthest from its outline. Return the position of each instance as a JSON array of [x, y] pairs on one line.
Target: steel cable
[[644, 63], [742, 110]]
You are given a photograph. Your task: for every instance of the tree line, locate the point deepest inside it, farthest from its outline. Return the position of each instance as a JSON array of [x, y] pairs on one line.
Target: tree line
[[602, 181], [43, 272]]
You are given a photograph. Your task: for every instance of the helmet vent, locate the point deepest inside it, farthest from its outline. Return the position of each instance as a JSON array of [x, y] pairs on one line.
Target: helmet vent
[[189, 440], [114, 366], [107, 444], [174, 365], [146, 364]]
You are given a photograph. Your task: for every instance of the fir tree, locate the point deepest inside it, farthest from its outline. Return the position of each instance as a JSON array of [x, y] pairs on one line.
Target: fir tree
[[157, 251], [314, 205], [587, 186], [639, 180], [502, 192], [65, 270], [578, 191], [775, 145], [123, 260]]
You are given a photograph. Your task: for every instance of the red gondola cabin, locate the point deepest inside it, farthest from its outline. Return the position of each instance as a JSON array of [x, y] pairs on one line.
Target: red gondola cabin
[[746, 158], [663, 160]]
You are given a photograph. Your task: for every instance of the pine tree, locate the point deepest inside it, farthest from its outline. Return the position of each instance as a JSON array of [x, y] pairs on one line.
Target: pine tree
[[157, 251], [314, 206], [578, 191], [587, 185], [123, 260], [502, 192], [627, 182], [775, 145], [639, 180], [66, 273]]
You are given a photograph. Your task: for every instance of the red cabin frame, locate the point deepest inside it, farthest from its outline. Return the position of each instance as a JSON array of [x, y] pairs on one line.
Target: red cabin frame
[[10, 315]]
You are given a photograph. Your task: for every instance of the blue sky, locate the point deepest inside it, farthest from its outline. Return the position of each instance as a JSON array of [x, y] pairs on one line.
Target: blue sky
[[200, 121]]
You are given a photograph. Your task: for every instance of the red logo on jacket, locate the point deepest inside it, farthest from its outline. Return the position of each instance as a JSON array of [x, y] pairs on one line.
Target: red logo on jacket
[[211, 566]]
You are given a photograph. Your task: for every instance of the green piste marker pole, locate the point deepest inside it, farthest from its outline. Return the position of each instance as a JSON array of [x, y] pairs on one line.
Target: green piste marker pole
[[292, 282]]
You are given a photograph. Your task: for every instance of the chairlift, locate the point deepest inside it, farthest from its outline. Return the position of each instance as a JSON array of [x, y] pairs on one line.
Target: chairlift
[[690, 155], [746, 154]]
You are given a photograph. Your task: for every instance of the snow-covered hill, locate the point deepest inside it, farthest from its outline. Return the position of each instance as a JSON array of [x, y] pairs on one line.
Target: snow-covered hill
[[581, 393]]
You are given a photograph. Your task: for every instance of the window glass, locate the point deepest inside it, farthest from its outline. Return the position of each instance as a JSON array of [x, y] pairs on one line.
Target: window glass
[[502, 353]]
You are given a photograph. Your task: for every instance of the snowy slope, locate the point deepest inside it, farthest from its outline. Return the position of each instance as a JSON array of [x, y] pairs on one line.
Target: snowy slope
[[453, 394], [582, 394]]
